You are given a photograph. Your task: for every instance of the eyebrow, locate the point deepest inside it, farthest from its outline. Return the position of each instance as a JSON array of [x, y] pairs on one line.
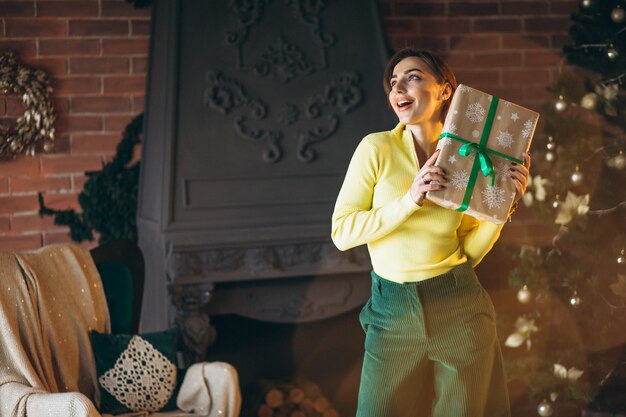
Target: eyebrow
[[408, 71]]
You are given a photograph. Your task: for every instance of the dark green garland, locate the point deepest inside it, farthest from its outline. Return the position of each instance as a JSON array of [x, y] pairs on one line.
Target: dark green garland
[[109, 198]]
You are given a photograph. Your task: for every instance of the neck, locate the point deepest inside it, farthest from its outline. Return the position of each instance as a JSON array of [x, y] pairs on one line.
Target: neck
[[426, 136]]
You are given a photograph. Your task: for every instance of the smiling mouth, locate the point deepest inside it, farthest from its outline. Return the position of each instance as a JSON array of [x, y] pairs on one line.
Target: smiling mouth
[[404, 104]]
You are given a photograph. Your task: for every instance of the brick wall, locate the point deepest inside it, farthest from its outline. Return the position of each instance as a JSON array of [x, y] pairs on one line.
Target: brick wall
[[96, 52]]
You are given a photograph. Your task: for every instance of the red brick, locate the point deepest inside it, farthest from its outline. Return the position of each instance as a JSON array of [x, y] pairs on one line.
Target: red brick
[[67, 8], [61, 164], [61, 105], [443, 26], [116, 123], [60, 237], [9, 243], [473, 9], [34, 223], [138, 104], [61, 201], [101, 104], [99, 27], [77, 85], [140, 27], [459, 59], [394, 26], [61, 143], [52, 66], [437, 44], [5, 225], [119, 9], [474, 77], [547, 24], [13, 106], [125, 85], [22, 165], [508, 92], [17, 203], [3, 106], [30, 28], [564, 7], [419, 9], [560, 40], [525, 42], [471, 42], [137, 46], [69, 47], [542, 59], [537, 93], [4, 185], [24, 184], [69, 123], [498, 59], [140, 65], [497, 25], [526, 76], [517, 8], [17, 8], [24, 47], [95, 143], [78, 182], [99, 65]]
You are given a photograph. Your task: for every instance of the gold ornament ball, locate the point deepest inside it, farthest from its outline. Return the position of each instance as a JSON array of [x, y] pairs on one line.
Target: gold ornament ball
[[560, 105], [617, 15], [586, 4], [524, 295], [577, 178], [48, 147], [551, 146], [550, 156], [575, 300], [620, 161], [621, 259], [612, 54], [544, 409], [556, 203], [589, 101]]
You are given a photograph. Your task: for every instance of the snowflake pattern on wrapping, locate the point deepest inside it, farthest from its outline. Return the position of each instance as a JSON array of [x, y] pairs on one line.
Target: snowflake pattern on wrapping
[[460, 179], [452, 128], [445, 141], [475, 113], [502, 171], [505, 139], [528, 129], [142, 378], [493, 196], [463, 89]]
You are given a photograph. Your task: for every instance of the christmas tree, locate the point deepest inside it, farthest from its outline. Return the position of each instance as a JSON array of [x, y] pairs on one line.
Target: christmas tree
[[567, 343]]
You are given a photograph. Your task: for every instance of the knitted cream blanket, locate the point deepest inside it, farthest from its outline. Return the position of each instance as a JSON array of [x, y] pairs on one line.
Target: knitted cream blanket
[[49, 300]]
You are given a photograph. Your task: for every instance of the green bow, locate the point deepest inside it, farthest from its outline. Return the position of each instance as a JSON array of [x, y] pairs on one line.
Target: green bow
[[486, 164]]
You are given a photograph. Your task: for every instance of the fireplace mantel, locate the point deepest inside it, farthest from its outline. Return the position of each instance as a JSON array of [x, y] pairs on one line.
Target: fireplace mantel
[[252, 114]]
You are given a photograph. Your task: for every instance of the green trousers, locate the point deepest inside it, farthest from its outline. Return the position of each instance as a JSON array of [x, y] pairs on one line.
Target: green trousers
[[431, 350]]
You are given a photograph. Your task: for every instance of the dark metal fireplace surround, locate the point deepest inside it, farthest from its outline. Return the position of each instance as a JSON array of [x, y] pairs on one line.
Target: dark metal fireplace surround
[[254, 108]]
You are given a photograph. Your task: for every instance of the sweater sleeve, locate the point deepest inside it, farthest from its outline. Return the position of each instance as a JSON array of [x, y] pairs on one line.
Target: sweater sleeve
[[477, 237], [354, 221]]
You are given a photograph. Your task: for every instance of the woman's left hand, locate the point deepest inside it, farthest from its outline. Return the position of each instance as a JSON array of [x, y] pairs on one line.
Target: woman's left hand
[[519, 175]]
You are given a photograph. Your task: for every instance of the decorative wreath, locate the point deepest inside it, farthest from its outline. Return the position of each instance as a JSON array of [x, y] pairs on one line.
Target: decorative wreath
[[34, 130]]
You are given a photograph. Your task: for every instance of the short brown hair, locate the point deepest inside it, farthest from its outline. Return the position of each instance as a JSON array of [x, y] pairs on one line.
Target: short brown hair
[[442, 72]]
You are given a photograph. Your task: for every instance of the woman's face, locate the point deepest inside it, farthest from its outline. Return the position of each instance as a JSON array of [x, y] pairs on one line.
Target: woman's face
[[415, 94]]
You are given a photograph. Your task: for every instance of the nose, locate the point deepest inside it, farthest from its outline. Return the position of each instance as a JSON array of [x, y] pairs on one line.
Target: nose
[[399, 87]]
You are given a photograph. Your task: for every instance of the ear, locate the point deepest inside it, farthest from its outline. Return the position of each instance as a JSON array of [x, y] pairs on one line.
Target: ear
[[446, 92]]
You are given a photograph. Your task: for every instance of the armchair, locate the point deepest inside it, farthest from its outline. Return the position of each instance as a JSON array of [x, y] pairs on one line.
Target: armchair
[[51, 299]]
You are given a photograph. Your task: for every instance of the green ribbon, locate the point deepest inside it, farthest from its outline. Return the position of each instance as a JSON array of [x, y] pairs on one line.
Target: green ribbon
[[483, 160]]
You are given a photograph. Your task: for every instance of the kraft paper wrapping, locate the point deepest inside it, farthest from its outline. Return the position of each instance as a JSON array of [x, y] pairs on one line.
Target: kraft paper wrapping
[[466, 130]]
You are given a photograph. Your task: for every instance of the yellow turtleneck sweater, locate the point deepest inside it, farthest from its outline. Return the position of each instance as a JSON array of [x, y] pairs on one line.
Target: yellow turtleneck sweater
[[406, 242]]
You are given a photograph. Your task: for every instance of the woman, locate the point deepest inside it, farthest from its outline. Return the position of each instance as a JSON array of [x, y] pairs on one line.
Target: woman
[[431, 347]]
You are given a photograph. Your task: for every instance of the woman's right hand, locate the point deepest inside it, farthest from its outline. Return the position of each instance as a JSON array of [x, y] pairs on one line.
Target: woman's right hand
[[423, 180]]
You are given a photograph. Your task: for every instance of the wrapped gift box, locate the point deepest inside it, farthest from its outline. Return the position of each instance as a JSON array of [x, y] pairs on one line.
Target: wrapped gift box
[[481, 136]]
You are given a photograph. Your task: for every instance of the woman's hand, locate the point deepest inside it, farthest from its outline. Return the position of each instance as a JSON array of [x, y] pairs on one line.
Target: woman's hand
[[519, 175], [422, 182]]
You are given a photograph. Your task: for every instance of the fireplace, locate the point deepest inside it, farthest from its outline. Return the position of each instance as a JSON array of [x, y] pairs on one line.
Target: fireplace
[[253, 111]]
